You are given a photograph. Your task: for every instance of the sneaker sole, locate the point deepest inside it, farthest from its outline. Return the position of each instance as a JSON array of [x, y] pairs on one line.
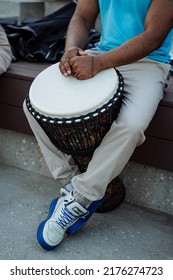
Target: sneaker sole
[[40, 238], [82, 221]]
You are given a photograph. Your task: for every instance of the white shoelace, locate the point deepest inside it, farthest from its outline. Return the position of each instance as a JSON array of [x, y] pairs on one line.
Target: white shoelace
[[66, 218]]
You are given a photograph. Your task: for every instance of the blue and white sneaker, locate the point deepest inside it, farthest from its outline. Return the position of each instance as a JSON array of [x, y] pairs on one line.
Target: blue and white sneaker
[[63, 212], [65, 216], [81, 221]]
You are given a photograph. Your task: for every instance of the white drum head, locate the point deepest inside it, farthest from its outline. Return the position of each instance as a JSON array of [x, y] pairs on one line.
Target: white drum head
[[54, 95]]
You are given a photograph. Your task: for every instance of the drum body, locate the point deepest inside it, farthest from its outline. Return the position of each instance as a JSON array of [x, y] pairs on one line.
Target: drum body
[[76, 114]]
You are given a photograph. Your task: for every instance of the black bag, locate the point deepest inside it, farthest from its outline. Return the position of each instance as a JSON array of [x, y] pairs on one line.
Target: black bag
[[44, 39]]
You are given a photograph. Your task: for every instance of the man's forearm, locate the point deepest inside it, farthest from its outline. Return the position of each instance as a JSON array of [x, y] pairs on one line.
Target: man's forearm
[[77, 34], [129, 52]]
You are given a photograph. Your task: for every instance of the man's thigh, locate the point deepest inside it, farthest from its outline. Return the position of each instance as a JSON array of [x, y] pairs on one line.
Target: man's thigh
[[144, 83]]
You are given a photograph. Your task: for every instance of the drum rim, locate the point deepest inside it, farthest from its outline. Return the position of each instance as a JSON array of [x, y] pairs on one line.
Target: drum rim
[[55, 120]]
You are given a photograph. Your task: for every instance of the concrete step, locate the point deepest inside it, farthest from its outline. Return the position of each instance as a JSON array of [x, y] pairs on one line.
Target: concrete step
[[23, 9], [145, 186], [129, 232]]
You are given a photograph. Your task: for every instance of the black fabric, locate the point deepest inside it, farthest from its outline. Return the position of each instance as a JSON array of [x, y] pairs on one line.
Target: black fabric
[[44, 39]]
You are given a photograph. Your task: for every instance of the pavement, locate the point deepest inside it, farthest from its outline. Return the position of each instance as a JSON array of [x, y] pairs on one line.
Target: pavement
[[129, 232]]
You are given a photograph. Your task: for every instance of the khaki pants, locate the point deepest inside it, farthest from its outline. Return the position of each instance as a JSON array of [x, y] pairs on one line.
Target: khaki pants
[[144, 84], [5, 51]]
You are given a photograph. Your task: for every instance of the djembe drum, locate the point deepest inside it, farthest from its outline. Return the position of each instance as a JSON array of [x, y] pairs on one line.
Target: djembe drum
[[77, 114]]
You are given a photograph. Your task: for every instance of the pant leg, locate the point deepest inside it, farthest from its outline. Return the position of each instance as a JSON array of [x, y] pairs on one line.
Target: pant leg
[[5, 51], [61, 166], [144, 84]]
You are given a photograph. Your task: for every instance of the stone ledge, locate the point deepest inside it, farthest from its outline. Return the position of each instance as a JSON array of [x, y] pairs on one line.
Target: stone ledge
[[23, 9], [149, 186], [34, 1]]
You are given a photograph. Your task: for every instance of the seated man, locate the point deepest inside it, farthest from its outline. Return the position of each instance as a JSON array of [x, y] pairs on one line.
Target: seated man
[[135, 39], [5, 51]]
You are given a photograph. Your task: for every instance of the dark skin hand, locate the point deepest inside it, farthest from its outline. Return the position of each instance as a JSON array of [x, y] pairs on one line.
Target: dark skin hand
[[158, 22]]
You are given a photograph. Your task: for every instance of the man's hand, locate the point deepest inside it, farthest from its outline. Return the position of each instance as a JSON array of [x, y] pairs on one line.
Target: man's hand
[[82, 67], [65, 65]]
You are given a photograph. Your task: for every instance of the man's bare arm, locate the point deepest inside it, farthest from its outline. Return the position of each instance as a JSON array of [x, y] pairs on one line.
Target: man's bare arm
[[158, 22], [78, 31]]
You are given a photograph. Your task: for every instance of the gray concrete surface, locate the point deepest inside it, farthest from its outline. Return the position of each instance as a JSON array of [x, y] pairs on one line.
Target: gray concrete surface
[[146, 186], [23, 9], [128, 232]]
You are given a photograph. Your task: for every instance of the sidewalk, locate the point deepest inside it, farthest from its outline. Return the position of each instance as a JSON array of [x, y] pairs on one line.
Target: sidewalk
[[128, 232]]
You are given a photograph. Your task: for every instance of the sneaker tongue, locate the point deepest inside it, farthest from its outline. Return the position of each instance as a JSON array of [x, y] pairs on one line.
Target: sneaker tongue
[[76, 209]]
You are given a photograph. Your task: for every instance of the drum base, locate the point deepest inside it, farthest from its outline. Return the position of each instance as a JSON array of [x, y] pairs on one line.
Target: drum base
[[115, 192]]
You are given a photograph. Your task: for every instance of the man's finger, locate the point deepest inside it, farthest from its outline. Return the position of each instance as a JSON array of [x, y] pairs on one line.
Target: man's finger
[[65, 69]]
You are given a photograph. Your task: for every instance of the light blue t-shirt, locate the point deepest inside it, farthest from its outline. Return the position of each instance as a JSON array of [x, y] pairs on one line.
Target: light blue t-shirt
[[124, 19]]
